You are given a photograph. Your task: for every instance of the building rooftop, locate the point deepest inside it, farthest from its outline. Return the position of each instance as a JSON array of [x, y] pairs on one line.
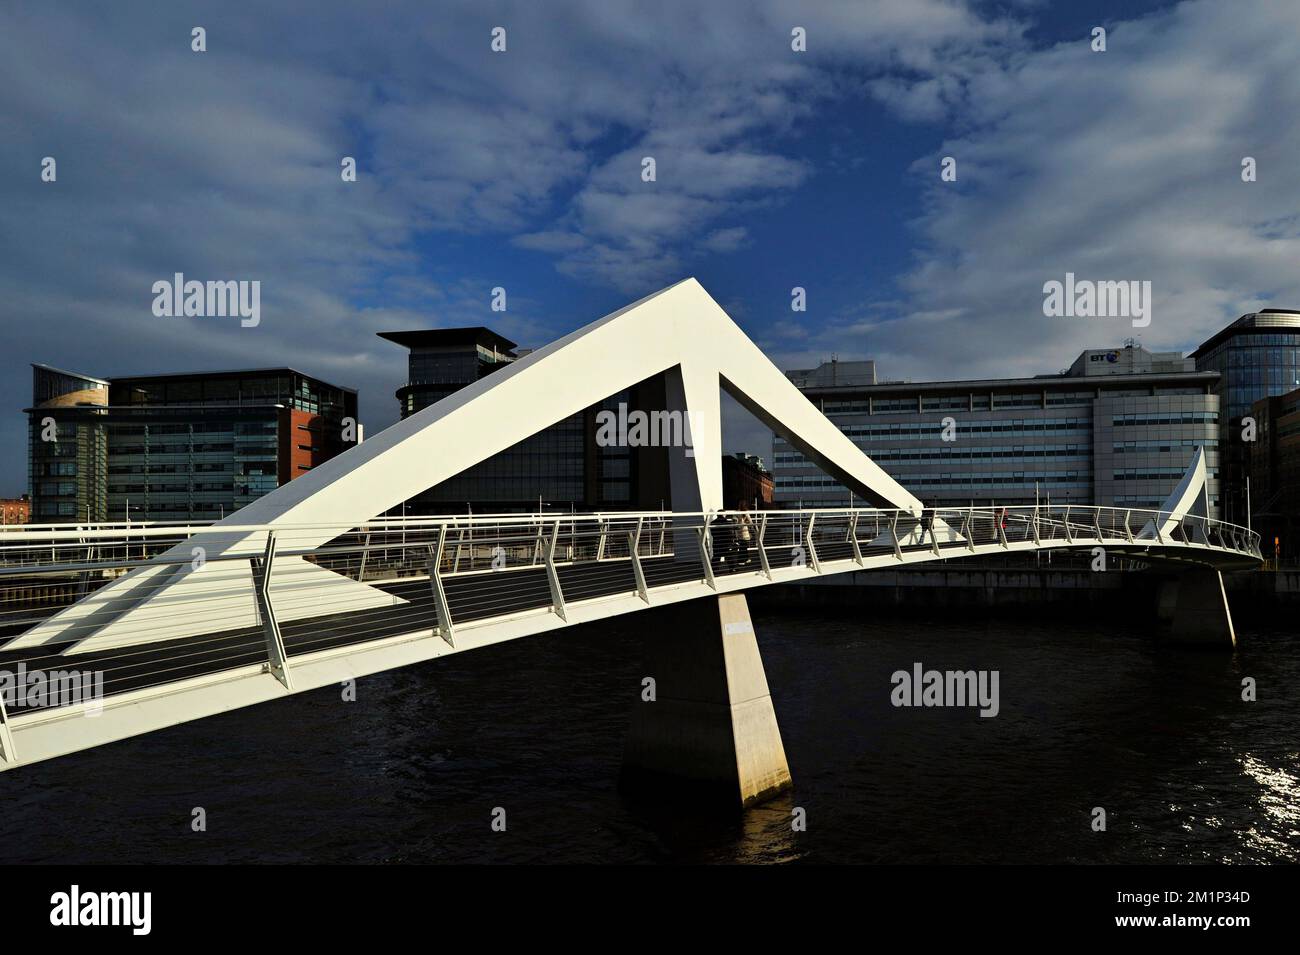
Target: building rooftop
[[70, 374], [1260, 322], [450, 338], [1033, 384], [835, 372], [1129, 359], [1129, 363], [228, 373]]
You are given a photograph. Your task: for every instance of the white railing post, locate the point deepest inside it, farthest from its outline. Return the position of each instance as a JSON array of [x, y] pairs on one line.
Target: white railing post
[[552, 577], [7, 752], [83, 579], [812, 548], [278, 659], [634, 547], [706, 546], [604, 529], [762, 547], [537, 544], [365, 554], [853, 538], [440, 604], [455, 560], [893, 532]]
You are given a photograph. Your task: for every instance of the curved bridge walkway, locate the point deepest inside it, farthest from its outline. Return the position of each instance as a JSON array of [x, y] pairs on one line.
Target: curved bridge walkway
[[458, 583], [111, 631]]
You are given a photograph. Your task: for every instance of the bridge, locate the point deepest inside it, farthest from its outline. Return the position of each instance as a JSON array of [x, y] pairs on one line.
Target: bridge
[[109, 631]]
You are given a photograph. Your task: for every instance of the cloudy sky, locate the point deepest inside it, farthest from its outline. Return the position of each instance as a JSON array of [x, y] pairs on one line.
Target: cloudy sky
[[521, 169]]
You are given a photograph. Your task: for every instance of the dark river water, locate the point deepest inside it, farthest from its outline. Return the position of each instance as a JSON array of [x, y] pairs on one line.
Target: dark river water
[[1092, 714]]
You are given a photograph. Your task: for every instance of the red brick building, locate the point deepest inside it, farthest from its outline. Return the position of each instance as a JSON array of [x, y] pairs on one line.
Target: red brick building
[[745, 482], [15, 510]]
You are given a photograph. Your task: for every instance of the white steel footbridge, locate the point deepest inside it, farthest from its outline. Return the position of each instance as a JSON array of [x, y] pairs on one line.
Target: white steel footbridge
[[307, 586]]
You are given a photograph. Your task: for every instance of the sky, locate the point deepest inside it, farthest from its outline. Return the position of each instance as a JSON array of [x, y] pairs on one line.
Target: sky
[[522, 169]]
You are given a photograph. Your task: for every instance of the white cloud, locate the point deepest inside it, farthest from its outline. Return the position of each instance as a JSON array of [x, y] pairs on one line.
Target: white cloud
[[726, 240], [1115, 165], [225, 164], [550, 240]]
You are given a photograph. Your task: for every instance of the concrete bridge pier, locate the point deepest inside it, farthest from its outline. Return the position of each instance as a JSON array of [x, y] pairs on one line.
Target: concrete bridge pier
[[1196, 606], [711, 729]]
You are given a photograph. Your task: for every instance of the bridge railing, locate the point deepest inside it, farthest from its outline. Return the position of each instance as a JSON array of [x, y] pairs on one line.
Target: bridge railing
[[47, 569], [261, 595]]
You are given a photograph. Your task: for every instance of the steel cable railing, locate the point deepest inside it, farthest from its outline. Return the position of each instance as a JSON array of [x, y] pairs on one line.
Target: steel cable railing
[[192, 588]]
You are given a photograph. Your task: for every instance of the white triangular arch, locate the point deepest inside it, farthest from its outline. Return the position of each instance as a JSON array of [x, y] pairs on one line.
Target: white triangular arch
[[1191, 498], [680, 332]]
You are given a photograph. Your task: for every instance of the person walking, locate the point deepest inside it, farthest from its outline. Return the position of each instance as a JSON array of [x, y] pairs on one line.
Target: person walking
[[744, 536]]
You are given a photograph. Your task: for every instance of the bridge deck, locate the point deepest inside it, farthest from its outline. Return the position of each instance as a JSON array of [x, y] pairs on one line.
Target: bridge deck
[[470, 597], [480, 595]]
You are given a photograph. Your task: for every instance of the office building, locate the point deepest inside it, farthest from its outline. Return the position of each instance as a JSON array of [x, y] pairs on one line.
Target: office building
[[1273, 465], [193, 446], [1117, 428], [1257, 356], [67, 445], [561, 468]]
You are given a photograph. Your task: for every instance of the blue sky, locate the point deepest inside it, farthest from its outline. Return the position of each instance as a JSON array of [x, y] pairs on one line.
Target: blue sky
[[521, 170]]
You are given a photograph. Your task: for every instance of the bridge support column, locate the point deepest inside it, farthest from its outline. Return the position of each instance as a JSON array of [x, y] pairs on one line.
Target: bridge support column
[[1199, 613], [711, 728], [692, 394]]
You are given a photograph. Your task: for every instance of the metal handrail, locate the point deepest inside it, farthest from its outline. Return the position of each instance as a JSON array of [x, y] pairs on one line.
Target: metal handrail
[[107, 550], [137, 532], [622, 554]]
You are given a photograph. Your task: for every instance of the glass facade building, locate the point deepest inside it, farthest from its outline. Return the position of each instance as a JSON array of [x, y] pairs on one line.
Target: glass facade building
[[179, 447], [67, 446], [1273, 461], [1256, 357], [1118, 428], [561, 466]]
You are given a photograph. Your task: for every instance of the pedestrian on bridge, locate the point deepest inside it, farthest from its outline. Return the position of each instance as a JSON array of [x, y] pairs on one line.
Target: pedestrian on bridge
[[736, 537], [744, 535]]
